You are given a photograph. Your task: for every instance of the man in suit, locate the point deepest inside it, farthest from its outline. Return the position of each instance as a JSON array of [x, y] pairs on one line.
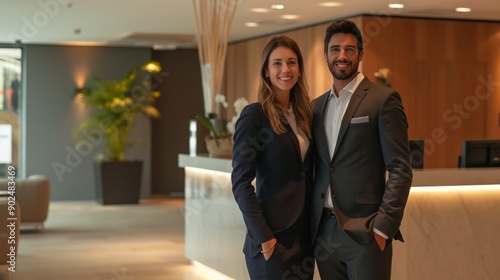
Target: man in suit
[[362, 166]]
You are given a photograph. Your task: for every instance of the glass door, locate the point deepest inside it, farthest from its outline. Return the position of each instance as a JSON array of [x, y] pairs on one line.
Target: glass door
[[10, 108]]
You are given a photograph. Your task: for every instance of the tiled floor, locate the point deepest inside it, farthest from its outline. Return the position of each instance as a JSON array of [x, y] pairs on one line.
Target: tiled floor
[[83, 240]]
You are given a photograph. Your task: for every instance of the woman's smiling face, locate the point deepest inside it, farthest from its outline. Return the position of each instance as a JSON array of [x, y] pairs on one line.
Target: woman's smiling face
[[283, 69]]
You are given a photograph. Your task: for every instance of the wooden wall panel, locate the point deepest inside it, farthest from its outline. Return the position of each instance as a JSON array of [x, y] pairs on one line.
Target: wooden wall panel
[[393, 47], [451, 112], [490, 84], [426, 122], [312, 47], [436, 70], [448, 40]]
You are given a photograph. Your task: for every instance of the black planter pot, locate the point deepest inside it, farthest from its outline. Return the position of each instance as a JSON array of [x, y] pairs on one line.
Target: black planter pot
[[118, 182]]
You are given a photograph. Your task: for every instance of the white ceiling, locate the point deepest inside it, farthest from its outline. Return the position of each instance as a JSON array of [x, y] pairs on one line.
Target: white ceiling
[[170, 23]]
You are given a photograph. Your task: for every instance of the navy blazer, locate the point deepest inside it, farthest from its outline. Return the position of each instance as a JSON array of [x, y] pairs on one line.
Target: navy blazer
[[282, 178], [370, 172]]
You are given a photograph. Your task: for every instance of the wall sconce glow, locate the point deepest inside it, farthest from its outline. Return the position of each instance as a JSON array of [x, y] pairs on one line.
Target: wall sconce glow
[[251, 24], [330, 4], [290, 17], [260, 10], [396, 6], [80, 76], [463, 10], [277, 7]]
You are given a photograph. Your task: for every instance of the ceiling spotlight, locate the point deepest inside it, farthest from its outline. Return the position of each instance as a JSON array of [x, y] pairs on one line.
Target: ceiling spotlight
[[260, 10], [331, 4], [396, 6], [463, 10], [277, 7], [251, 24], [291, 17]]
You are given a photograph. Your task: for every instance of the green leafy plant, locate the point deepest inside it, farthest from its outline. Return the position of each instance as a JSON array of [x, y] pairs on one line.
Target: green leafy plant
[[214, 132], [116, 103]]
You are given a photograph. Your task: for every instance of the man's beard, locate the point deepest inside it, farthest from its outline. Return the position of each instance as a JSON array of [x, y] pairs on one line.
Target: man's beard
[[343, 75]]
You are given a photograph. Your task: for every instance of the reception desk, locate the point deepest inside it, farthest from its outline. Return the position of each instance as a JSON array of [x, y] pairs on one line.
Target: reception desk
[[451, 223]]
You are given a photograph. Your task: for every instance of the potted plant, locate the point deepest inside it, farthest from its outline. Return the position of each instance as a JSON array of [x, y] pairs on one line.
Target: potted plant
[[116, 104], [220, 142]]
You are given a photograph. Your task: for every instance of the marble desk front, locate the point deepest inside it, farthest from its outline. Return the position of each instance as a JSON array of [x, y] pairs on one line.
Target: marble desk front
[[450, 226]]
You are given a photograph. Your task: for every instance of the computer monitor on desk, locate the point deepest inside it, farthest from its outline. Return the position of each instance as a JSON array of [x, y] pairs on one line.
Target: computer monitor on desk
[[480, 153]]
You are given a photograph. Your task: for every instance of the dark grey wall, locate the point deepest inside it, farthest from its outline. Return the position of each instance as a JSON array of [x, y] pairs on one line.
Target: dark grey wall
[[181, 100], [51, 114]]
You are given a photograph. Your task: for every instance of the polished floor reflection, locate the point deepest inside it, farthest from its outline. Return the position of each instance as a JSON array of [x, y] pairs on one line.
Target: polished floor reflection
[[83, 240]]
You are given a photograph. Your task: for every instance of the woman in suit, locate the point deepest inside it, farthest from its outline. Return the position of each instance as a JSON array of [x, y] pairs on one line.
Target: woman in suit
[[272, 144]]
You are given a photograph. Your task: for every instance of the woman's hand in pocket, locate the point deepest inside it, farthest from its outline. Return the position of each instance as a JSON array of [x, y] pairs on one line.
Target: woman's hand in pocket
[[268, 248]]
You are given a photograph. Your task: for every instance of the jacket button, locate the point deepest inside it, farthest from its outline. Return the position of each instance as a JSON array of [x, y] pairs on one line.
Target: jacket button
[[302, 174], [322, 195], [332, 169]]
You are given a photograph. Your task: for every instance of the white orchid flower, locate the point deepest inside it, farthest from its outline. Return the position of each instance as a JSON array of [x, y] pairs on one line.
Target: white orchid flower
[[221, 99], [239, 104]]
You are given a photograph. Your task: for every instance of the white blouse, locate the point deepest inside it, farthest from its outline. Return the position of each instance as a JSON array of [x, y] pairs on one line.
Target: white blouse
[[303, 140]]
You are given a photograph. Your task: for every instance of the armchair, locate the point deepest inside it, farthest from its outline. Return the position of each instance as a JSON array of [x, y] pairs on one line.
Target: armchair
[[33, 195]]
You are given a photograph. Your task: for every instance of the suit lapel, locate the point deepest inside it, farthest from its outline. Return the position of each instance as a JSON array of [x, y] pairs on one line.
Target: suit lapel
[[356, 98], [294, 140], [320, 135]]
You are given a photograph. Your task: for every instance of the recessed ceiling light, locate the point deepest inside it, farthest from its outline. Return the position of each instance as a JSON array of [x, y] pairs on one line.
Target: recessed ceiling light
[[251, 24], [463, 10], [289, 16], [278, 7], [396, 6], [331, 4], [259, 10]]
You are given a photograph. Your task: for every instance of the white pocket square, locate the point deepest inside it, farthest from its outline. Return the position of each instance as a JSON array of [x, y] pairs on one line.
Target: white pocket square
[[363, 119]]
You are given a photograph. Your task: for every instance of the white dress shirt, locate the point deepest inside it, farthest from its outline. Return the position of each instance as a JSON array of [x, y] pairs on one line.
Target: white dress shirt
[[335, 111]]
